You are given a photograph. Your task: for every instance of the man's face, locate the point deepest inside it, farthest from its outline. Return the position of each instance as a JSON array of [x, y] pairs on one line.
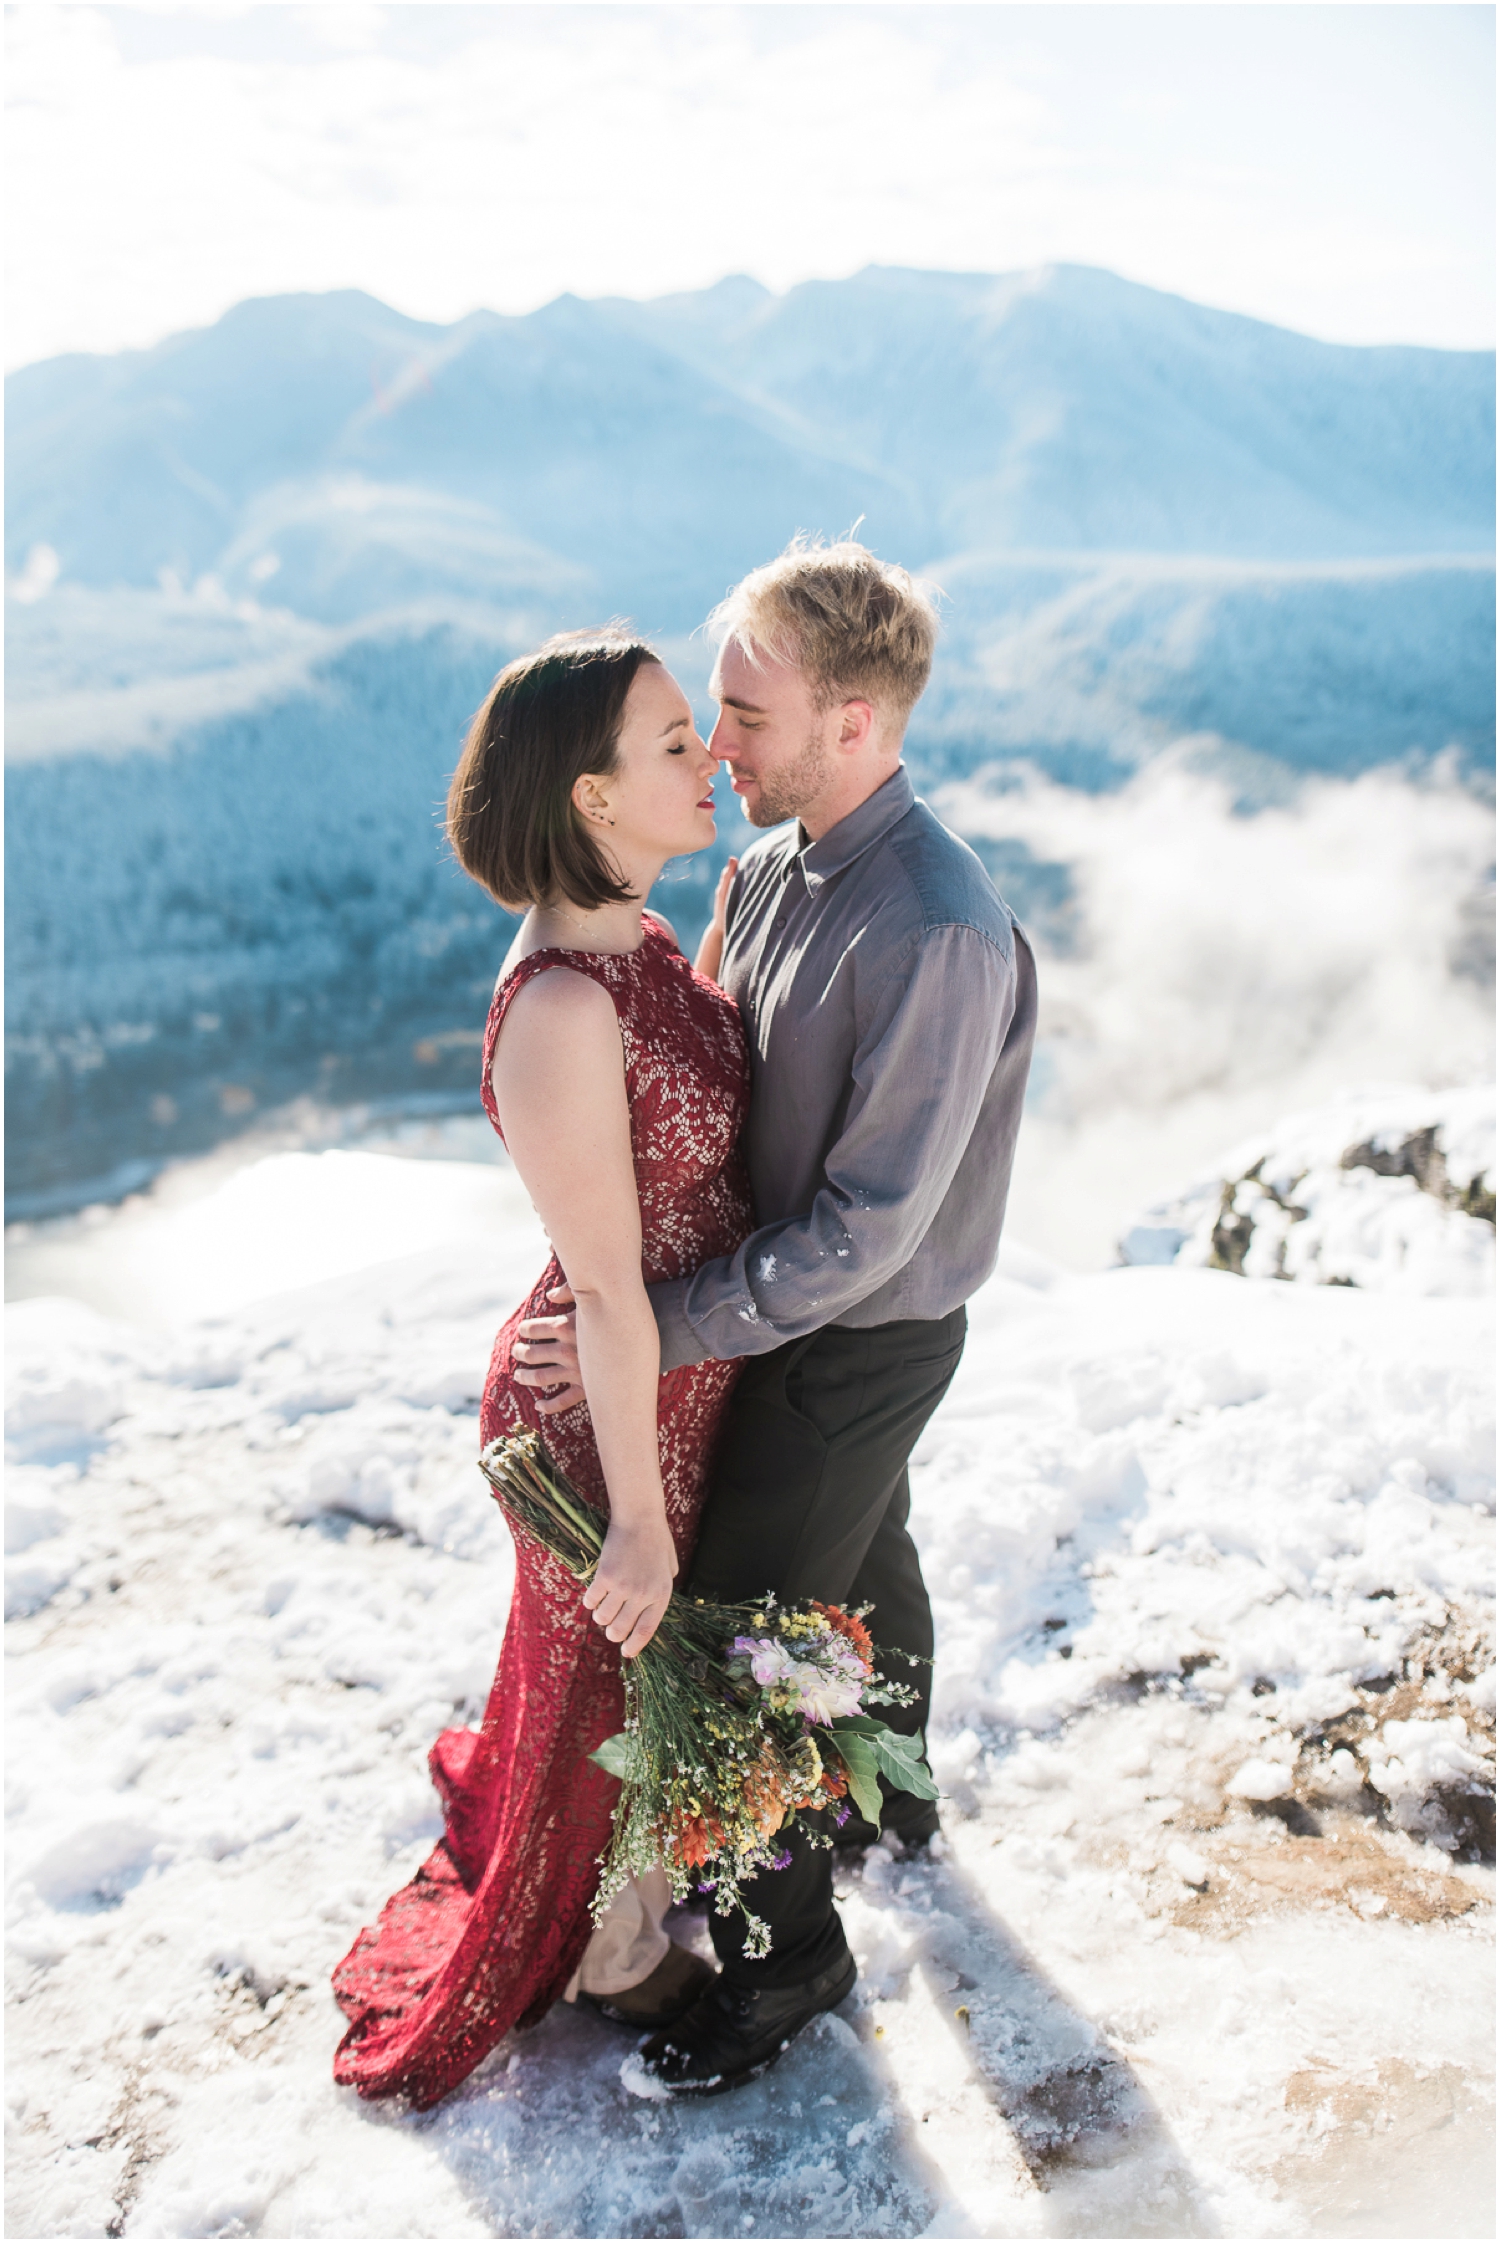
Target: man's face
[[776, 744]]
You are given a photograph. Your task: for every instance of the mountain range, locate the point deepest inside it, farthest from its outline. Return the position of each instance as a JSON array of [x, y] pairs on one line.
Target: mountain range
[[261, 572], [631, 453]]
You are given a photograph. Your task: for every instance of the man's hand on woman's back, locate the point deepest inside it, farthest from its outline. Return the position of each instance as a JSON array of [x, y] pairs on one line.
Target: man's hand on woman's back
[[546, 1355]]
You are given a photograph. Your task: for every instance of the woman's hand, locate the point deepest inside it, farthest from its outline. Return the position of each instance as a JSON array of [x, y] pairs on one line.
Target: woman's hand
[[711, 949], [632, 1582]]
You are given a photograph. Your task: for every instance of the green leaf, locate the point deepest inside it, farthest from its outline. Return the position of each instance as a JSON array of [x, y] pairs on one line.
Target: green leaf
[[863, 1771], [896, 1757], [616, 1756], [900, 1762], [909, 1748]]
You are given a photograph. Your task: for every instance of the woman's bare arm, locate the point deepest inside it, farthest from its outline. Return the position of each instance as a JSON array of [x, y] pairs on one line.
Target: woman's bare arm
[[546, 1355], [559, 1080]]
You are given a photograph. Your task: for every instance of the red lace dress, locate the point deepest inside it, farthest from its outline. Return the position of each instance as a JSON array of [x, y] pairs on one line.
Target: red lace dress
[[490, 1930]]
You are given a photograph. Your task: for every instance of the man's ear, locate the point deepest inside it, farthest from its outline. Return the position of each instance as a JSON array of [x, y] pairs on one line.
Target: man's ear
[[856, 723]]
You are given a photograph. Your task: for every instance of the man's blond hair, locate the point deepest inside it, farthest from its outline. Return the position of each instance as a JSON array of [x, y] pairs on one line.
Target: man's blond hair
[[860, 628]]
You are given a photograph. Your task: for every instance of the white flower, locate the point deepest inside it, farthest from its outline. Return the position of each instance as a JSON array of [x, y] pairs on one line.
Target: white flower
[[822, 1696], [837, 1652], [770, 1662]]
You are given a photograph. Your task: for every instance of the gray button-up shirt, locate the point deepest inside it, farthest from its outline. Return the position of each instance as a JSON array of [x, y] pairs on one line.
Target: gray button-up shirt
[[890, 1002]]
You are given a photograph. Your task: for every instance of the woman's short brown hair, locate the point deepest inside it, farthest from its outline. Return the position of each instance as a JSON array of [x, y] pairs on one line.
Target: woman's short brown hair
[[548, 719]]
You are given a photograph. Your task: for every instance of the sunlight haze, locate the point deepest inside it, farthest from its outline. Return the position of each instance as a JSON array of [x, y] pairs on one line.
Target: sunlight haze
[[1328, 169]]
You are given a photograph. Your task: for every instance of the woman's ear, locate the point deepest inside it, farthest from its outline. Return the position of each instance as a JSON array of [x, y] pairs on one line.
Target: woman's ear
[[590, 800]]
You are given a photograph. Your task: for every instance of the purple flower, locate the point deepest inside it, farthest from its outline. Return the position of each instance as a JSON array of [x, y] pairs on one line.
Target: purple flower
[[781, 1861], [839, 1821]]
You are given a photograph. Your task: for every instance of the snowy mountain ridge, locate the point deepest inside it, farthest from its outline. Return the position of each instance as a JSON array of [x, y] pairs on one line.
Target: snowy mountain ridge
[[262, 573], [658, 449]]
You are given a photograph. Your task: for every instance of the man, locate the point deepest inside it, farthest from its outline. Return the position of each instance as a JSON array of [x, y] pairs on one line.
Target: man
[[890, 1003]]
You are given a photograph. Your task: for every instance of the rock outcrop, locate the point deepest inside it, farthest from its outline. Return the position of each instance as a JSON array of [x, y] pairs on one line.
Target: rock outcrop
[[1391, 1189]]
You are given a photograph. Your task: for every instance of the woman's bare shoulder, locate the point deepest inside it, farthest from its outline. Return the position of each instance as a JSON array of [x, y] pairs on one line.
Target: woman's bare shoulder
[[560, 1039], [558, 993]]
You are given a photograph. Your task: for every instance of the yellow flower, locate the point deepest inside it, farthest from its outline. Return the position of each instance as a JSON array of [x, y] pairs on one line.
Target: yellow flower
[[806, 1767]]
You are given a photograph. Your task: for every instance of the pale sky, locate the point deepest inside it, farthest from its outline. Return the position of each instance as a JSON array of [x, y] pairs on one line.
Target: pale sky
[[1326, 167]]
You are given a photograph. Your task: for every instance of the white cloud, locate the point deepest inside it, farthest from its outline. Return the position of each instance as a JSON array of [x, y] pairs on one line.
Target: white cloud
[[1325, 167], [1233, 969]]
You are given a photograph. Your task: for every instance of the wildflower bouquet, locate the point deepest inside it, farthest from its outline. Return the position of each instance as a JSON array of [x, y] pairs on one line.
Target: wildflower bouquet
[[740, 1719]]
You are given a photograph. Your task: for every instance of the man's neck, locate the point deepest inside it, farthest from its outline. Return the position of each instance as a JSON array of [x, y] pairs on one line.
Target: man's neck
[[837, 804]]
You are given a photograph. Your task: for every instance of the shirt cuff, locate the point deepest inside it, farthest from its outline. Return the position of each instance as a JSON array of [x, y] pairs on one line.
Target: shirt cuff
[[680, 1344]]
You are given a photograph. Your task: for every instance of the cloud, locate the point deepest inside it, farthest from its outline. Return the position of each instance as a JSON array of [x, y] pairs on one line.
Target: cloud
[[1229, 969], [168, 162]]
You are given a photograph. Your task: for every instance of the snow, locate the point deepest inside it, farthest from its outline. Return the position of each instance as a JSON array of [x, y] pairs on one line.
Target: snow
[[1202, 1949], [122, 671], [1088, 664], [1390, 1188]]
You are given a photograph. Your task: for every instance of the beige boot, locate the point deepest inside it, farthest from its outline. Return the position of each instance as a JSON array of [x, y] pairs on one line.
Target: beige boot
[[675, 1984]]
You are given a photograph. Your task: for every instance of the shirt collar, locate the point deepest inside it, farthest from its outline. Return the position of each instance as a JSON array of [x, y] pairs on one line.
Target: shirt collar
[[853, 835]]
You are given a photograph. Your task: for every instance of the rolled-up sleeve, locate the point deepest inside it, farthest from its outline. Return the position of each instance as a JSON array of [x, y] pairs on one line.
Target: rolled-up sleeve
[[920, 1075]]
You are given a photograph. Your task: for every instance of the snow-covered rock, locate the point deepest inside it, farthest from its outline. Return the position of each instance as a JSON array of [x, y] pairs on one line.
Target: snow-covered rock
[[1391, 1190]]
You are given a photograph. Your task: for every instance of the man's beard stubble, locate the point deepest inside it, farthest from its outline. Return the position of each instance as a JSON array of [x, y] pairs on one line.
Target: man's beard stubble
[[787, 792]]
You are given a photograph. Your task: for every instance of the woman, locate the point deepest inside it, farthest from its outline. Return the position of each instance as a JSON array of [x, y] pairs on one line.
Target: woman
[[618, 1078]]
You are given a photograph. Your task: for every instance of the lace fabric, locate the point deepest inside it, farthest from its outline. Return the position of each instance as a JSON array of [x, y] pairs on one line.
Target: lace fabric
[[492, 1927]]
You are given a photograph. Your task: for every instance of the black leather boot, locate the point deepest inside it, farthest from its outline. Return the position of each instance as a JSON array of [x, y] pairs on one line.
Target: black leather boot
[[732, 2032]]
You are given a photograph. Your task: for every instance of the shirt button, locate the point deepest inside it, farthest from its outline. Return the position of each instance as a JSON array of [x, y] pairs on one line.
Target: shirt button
[[781, 922]]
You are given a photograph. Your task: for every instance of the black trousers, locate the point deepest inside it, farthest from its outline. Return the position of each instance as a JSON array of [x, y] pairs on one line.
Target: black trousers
[[809, 1498]]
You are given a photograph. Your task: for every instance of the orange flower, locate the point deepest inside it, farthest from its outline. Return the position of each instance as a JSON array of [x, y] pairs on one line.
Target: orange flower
[[846, 1625], [697, 1839], [765, 1792]]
